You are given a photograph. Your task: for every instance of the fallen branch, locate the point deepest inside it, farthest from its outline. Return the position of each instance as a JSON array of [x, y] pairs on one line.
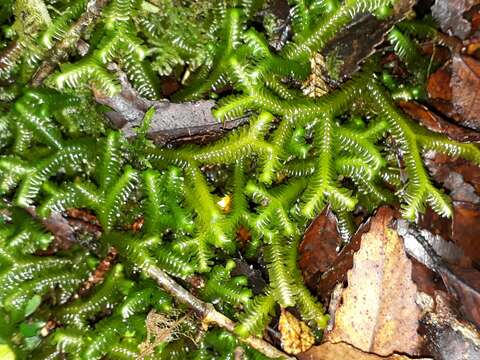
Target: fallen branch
[[60, 51], [207, 313], [173, 123]]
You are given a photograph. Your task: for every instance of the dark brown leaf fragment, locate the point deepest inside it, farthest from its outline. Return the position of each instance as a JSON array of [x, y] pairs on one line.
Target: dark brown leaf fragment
[[464, 285], [462, 179], [427, 281], [318, 249], [436, 123], [463, 229], [358, 40], [344, 262], [465, 84], [438, 85]]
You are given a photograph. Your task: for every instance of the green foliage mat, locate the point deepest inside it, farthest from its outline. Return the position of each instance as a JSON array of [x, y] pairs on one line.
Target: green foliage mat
[[351, 148]]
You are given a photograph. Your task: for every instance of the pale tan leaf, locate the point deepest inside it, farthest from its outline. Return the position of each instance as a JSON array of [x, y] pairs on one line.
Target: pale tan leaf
[[378, 313], [343, 351]]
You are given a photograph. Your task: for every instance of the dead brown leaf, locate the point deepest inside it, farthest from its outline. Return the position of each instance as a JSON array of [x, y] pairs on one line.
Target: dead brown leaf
[[476, 20], [464, 184], [81, 214], [137, 224], [318, 249], [379, 313], [440, 54], [358, 40], [465, 84], [436, 123], [344, 262], [338, 351], [438, 85], [427, 281], [465, 229], [464, 284], [63, 232], [473, 47], [243, 235]]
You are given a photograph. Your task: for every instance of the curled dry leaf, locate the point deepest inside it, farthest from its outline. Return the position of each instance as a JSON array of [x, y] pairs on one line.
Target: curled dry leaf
[[296, 336], [379, 313]]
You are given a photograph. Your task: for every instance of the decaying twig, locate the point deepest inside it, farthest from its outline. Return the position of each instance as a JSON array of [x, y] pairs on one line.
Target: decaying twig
[[99, 274], [59, 52], [207, 313]]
